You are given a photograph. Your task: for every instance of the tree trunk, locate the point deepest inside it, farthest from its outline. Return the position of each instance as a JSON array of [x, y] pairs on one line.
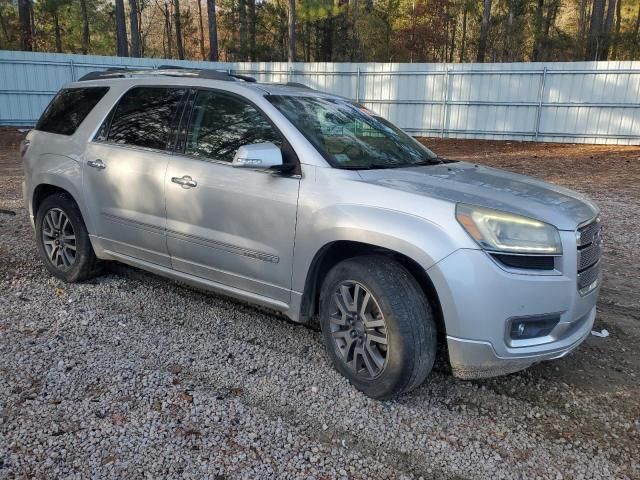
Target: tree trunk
[[3, 25], [582, 28], [134, 25], [552, 13], [537, 36], [201, 25], [84, 40], [56, 31], [292, 30], [213, 30], [507, 49], [453, 38], [595, 28], [616, 36], [178, 23], [606, 31], [252, 29], [463, 42], [168, 30], [26, 32], [484, 31], [121, 30]]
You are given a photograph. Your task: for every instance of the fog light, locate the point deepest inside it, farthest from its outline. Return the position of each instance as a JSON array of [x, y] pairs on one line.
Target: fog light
[[532, 327]]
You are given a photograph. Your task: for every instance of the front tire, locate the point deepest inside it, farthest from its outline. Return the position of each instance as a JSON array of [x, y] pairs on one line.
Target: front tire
[[377, 325], [63, 240]]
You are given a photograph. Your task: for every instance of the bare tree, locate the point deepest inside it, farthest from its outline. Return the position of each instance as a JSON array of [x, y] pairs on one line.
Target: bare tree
[[213, 30], [484, 31], [134, 23], [122, 48], [178, 24], [292, 30], [26, 30], [84, 39]]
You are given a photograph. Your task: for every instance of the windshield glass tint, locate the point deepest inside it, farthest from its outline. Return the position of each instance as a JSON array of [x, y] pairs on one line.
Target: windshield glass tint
[[350, 136]]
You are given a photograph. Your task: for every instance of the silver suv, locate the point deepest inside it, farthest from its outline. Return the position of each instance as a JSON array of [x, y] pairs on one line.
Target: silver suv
[[313, 205]]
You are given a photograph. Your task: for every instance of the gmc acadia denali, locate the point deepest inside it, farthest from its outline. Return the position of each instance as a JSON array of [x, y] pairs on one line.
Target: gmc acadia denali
[[313, 205]]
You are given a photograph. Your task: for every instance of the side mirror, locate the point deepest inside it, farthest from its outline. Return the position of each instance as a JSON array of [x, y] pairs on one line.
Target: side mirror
[[258, 156]]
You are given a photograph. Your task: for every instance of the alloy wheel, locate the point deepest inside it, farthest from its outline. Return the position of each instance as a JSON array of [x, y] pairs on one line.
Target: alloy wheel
[[59, 239], [358, 329]]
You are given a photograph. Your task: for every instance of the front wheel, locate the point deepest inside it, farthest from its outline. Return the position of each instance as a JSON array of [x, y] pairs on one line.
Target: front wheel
[[377, 325]]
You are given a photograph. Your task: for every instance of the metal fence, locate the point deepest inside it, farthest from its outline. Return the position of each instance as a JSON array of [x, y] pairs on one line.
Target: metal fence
[[582, 102]]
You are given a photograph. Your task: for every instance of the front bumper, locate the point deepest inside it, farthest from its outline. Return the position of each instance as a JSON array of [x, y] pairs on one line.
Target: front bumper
[[478, 298]]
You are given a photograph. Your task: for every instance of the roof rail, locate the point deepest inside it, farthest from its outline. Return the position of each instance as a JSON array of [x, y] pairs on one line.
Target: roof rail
[[167, 70], [298, 85]]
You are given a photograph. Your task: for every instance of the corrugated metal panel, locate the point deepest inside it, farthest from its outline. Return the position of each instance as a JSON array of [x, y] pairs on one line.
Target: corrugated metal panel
[[594, 102]]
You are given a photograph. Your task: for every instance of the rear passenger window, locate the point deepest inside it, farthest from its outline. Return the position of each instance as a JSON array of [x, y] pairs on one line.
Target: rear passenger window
[[69, 108], [144, 117], [220, 124]]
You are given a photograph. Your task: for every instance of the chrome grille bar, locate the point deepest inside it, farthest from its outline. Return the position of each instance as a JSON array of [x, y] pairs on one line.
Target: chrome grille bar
[[589, 246]]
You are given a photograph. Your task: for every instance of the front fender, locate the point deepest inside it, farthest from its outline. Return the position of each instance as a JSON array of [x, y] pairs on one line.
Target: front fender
[[422, 240]]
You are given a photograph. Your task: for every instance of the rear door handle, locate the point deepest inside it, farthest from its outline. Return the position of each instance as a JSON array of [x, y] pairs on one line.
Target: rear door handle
[[99, 164], [185, 181]]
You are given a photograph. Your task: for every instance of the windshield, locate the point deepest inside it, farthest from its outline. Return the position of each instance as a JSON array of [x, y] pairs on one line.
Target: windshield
[[350, 136]]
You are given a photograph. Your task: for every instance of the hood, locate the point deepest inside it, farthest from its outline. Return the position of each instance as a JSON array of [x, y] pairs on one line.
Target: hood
[[489, 187]]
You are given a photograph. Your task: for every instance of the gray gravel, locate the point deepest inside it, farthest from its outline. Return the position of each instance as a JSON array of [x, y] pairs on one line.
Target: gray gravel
[[131, 375]]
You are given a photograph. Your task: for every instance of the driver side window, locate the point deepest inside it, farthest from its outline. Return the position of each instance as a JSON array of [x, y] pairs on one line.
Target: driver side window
[[220, 124]]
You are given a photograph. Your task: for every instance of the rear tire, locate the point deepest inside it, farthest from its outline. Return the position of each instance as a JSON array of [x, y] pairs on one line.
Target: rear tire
[[63, 240], [377, 326]]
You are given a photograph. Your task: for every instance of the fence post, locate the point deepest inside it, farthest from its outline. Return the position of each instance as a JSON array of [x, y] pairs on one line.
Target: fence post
[[73, 70], [543, 81], [358, 85], [443, 114]]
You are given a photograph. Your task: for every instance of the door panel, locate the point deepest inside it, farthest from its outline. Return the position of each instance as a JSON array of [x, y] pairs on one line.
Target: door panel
[[236, 227], [125, 169], [126, 199]]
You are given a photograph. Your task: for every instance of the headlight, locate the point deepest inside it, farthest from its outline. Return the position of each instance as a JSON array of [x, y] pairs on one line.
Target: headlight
[[505, 232]]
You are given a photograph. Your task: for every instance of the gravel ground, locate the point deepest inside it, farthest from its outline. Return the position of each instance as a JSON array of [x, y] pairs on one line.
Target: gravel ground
[[131, 375]]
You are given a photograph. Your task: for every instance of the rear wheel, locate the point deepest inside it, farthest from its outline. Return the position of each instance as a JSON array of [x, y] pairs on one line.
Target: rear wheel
[[63, 240], [377, 326]]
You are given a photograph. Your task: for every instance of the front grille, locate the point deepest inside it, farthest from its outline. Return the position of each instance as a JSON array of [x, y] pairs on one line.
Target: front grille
[[588, 233], [589, 254], [588, 277]]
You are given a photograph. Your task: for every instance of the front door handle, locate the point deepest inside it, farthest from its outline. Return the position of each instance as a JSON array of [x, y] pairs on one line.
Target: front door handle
[[185, 181], [99, 164]]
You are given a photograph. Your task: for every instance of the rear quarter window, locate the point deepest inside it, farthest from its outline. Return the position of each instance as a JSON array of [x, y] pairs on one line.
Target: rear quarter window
[[69, 108]]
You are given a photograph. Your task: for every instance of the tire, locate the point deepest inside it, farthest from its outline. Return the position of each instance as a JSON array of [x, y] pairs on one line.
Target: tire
[[407, 326], [61, 259]]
